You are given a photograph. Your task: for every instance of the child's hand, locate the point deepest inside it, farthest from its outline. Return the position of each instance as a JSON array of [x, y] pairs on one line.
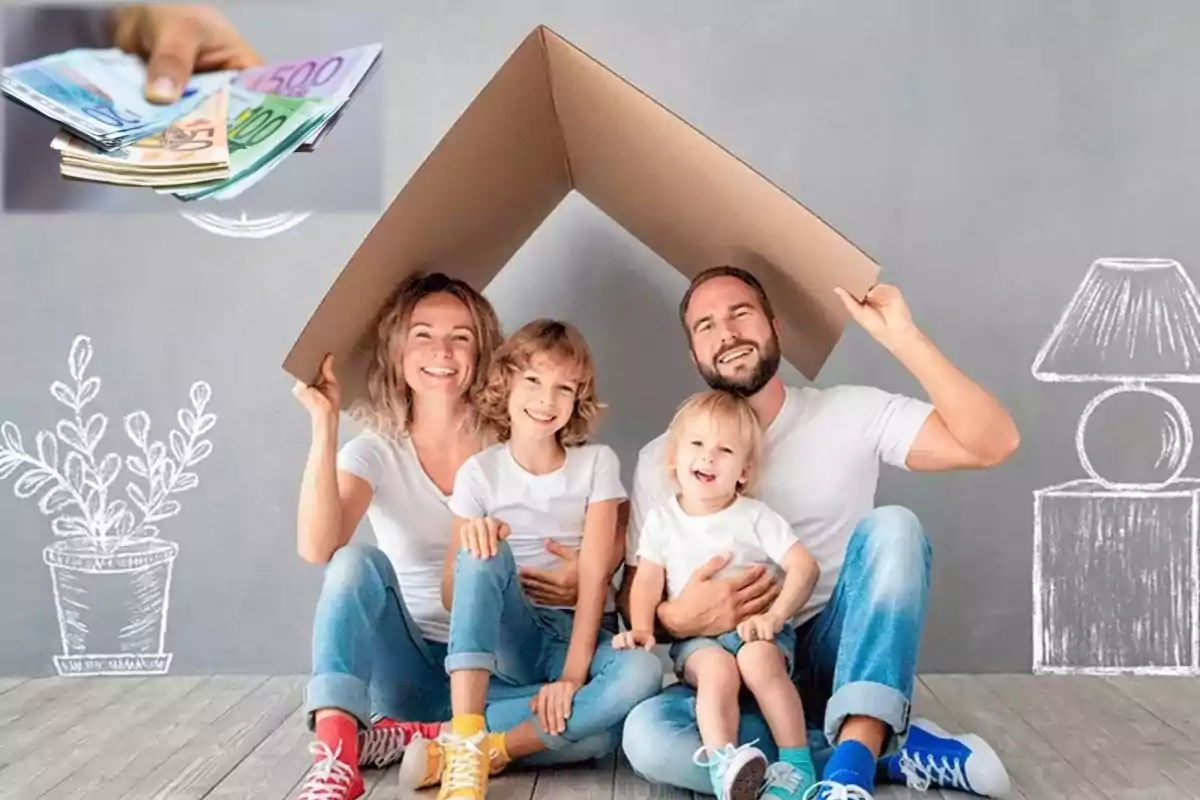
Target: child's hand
[[627, 640], [760, 627], [482, 536]]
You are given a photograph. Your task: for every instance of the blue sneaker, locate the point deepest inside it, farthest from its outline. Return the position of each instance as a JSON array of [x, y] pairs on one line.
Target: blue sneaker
[[832, 790], [933, 757]]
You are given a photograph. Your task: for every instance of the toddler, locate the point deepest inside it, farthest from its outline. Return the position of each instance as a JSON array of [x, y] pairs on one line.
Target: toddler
[[713, 448]]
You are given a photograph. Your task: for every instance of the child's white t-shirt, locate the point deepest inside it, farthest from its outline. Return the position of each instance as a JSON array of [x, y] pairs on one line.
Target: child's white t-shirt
[[538, 507], [748, 530], [411, 521]]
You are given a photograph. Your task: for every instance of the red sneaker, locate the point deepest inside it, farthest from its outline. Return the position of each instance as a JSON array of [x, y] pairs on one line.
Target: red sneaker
[[329, 778], [384, 742]]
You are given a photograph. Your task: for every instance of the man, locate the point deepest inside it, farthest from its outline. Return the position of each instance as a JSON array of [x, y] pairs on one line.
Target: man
[[859, 633]]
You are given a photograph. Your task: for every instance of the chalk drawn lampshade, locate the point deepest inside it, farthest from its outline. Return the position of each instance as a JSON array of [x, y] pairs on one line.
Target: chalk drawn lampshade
[[1133, 322]]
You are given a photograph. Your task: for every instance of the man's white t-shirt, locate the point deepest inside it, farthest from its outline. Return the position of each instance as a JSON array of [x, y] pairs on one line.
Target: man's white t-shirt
[[537, 508], [748, 530], [411, 520], [820, 469]]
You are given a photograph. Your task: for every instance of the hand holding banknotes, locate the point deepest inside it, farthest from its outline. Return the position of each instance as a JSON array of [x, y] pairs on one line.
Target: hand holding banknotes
[[178, 40]]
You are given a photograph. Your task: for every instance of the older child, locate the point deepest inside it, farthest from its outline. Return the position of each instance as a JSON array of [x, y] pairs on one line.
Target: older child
[[542, 482], [713, 448]]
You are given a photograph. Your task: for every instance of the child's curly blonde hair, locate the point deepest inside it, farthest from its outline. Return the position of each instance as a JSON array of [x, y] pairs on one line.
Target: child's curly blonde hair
[[728, 411], [560, 341]]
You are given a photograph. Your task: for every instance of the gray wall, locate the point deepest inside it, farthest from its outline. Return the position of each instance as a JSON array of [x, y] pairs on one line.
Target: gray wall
[[986, 153]]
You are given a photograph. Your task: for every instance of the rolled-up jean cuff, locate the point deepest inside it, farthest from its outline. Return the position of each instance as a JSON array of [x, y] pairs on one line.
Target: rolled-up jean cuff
[[347, 693], [484, 661], [868, 699]]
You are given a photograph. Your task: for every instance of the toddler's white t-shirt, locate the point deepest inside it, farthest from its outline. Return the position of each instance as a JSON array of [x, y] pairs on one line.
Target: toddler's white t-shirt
[[748, 530]]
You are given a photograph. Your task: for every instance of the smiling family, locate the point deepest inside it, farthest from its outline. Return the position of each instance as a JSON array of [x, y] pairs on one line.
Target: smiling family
[[481, 633]]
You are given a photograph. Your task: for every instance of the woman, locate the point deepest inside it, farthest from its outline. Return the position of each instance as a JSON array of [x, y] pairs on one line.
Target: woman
[[380, 629]]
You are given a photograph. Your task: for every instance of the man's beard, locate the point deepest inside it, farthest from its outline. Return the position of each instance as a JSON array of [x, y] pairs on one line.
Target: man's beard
[[748, 385]]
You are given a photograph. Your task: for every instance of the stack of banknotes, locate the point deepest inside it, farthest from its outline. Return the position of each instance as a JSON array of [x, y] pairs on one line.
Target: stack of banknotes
[[227, 132]]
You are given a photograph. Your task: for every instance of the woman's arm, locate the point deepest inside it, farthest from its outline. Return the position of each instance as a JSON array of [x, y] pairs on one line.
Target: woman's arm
[[332, 501], [599, 541]]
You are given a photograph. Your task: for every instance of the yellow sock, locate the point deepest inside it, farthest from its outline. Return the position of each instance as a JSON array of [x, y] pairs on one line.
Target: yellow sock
[[467, 724], [500, 742]]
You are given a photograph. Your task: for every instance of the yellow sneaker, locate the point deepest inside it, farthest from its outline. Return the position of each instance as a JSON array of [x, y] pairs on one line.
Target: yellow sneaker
[[466, 770], [424, 760]]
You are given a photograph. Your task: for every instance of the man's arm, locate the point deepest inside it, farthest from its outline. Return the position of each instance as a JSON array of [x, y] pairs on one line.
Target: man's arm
[[968, 428]]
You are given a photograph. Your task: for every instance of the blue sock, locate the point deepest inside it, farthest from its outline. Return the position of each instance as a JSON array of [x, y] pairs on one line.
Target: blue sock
[[851, 763]]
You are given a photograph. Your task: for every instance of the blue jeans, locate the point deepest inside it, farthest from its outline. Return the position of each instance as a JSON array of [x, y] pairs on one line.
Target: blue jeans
[[731, 642], [370, 658], [857, 657], [494, 627]]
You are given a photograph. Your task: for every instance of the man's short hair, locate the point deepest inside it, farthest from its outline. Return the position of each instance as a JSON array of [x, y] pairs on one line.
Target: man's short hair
[[722, 271]]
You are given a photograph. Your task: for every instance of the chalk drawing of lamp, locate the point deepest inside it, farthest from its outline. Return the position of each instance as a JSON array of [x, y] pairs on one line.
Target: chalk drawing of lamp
[[1115, 561]]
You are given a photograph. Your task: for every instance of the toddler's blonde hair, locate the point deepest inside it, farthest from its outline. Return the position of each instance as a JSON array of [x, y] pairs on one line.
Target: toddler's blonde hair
[[725, 409]]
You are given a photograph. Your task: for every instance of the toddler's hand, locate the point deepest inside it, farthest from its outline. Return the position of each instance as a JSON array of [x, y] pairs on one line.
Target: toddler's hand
[[482, 536], [627, 640], [760, 627]]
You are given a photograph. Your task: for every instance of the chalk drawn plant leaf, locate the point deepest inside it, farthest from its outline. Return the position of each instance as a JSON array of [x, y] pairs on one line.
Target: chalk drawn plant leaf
[[28, 484], [137, 426], [69, 526], [81, 356], [136, 466], [75, 469], [135, 494], [109, 467], [201, 393], [47, 447], [178, 447], [70, 433], [56, 500], [8, 465], [188, 480], [63, 394], [12, 437]]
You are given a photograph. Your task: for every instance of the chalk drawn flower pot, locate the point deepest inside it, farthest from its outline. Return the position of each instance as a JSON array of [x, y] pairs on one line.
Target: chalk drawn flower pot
[[112, 607], [109, 570]]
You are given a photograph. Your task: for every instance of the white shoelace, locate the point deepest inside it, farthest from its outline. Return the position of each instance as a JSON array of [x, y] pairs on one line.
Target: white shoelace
[[921, 773], [329, 777], [382, 745], [720, 755], [460, 772], [781, 776], [837, 791]]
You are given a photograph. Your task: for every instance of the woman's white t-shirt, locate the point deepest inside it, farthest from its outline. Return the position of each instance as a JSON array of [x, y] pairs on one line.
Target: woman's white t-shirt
[[411, 520]]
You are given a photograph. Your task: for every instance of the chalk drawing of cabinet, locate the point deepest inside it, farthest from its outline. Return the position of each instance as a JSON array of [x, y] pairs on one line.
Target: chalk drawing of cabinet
[[1116, 561]]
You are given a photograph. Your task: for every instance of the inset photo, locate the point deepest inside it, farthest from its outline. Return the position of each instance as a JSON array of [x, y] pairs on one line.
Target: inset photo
[[256, 109]]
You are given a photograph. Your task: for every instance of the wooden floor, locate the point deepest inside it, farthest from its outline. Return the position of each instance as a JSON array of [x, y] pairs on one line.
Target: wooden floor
[[226, 737]]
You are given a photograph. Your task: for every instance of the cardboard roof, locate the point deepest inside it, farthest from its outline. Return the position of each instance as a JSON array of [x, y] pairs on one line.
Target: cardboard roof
[[553, 120]]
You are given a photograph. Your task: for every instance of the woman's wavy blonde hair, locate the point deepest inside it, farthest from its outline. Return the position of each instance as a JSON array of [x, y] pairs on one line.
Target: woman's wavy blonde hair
[[560, 341], [387, 407], [729, 412]]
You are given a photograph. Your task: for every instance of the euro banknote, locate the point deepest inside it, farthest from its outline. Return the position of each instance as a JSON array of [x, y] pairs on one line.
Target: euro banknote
[[332, 78], [98, 94], [263, 129], [193, 149]]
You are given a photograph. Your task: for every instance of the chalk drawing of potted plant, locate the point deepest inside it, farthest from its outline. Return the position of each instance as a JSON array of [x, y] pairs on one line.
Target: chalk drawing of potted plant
[[110, 571]]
